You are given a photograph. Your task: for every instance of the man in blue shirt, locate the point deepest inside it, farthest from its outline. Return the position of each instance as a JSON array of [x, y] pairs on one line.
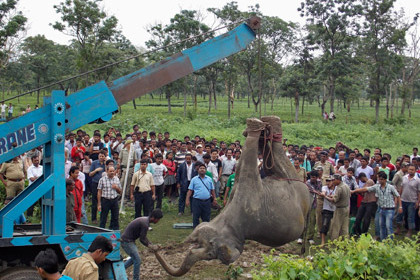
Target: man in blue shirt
[[201, 189], [95, 172]]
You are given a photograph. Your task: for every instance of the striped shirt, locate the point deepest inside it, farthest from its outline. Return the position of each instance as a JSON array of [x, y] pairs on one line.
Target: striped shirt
[[385, 195], [105, 184]]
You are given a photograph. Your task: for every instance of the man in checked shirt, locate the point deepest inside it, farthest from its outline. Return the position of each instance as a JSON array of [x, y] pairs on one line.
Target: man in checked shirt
[[108, 189], [385, 193]]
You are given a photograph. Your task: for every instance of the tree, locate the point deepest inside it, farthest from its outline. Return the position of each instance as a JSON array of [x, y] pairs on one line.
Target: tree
[[12, 22], [46, 60], [383, 35], [183, 26], [331, 25], [90, 27], [300, 79], [411, 68]]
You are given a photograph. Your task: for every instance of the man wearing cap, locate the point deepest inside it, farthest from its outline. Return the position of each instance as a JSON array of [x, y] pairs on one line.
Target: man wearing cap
[[327, 167], [327, 209], [367, 206], [320, 200], [341, 199], [200, 153]]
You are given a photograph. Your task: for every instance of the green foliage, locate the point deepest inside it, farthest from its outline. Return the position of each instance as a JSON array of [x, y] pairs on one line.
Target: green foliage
[[11, 23], [364, 258], [90, 27], [233, 272]]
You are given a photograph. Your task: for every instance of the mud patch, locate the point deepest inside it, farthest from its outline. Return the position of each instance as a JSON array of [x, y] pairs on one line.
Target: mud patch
[[175, 254]]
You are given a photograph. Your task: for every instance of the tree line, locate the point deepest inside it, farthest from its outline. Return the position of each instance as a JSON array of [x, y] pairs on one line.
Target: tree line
[[346, 50]]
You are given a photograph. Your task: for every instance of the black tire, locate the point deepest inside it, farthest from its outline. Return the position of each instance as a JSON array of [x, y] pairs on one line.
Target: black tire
[[21, 273]]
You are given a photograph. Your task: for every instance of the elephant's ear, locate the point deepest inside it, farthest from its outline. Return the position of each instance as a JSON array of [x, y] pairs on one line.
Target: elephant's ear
[[227, 254]]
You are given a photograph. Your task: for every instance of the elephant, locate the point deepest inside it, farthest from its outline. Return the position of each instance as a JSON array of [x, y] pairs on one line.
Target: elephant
[[271, 211]]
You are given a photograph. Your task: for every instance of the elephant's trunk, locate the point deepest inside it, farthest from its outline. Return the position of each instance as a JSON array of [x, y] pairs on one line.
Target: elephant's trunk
[[193, 256]]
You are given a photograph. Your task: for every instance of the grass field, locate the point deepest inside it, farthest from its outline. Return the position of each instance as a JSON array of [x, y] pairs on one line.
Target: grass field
[[396, 136]]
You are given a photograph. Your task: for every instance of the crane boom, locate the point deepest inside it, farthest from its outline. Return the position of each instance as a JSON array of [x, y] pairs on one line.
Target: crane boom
[[48, 126]]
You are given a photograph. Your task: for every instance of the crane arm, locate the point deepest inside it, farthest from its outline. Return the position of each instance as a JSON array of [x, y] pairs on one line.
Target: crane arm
[[99, 101]]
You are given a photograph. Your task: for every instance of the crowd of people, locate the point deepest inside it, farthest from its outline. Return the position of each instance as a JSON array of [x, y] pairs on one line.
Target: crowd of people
[[347, 185], [141, 168]]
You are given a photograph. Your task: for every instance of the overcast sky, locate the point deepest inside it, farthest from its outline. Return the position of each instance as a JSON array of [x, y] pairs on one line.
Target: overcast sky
[[135, 15]]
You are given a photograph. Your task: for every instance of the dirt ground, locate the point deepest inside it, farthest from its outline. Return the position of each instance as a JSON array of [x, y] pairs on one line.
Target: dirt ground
[[214, 269]]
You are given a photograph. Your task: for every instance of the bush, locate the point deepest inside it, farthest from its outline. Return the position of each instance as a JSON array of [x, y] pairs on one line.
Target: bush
[[364, 258]]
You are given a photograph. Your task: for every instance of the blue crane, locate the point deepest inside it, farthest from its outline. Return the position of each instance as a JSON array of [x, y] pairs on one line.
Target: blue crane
[[48, 126]]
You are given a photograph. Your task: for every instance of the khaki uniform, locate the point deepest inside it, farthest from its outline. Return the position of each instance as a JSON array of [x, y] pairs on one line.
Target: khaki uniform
[[82, 268], [318, 213], [301, 174], [13, 171], [340, 221], [327, 170]]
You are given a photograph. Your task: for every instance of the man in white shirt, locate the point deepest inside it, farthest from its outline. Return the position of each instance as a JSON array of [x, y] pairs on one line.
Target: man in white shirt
[[160, 170], [211, 167], [3, 108], [228, 165], [365, 168], [34, 172]]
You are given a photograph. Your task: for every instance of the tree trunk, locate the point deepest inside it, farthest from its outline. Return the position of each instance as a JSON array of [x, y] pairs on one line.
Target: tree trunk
[[228, 96], [168, 96], [404, 101], [377, 101], [296, 107], [195, 92], [272, 103], [303, 103], [249, 101], [185, 102], [387, 103], [331, 92], [213, 87], [410, 101], [392, 97], [210, 99], [134, 104]]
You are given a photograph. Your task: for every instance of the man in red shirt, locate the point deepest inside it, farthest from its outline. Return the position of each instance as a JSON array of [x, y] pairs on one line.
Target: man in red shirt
[[77, 192]]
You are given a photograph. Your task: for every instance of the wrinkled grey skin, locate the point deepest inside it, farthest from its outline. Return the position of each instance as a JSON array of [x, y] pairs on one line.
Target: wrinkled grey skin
[[269, 211]]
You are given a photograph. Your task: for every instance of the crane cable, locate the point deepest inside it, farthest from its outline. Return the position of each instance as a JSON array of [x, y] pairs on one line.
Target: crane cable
[[124, 60]]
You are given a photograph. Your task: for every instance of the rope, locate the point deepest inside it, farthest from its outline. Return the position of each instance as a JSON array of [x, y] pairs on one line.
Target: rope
[[278, 137], [268, 137], [123, 60]]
